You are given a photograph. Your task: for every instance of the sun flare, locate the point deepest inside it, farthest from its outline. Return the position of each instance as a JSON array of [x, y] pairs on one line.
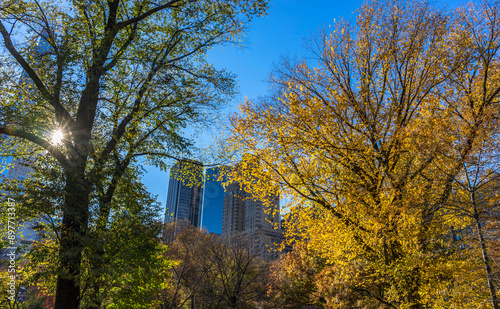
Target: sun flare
[[57, 137]]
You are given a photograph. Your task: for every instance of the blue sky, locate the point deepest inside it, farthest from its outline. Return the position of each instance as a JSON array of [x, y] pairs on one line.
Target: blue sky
[[282, 32]]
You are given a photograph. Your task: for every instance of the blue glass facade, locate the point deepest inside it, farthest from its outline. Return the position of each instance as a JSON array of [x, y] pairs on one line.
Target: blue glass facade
[[184, 193], [213, 201]]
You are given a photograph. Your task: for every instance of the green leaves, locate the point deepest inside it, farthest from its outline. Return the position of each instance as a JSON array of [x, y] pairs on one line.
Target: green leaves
[[120, 80]]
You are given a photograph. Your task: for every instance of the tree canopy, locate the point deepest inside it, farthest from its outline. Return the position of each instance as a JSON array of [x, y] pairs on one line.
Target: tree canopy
[[368, 138], [117, 81]]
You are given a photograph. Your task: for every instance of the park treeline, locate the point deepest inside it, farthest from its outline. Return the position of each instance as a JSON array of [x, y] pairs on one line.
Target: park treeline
[[382, 141]]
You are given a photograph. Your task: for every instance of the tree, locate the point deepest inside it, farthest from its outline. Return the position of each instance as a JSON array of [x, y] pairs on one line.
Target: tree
[[476, 202], [304, 278], [294, 281], [132, 254], [132, 268], [369, 141], [237, 277], [118, 82], [210, 272], [188, 248]]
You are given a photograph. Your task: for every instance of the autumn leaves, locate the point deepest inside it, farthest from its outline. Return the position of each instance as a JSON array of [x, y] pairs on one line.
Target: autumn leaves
[[371, 143]]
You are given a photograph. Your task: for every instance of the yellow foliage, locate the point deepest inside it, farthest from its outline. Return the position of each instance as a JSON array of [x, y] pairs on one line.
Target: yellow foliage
[[368, 144]]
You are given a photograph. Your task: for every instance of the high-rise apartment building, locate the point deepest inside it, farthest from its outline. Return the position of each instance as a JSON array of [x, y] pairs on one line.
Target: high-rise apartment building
[[248, 219], [212, 201], [262, 226], [19, 170], [184, 192], [233, 218]]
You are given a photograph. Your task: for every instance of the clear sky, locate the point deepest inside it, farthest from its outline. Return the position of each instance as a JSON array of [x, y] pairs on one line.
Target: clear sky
[[282, 32]]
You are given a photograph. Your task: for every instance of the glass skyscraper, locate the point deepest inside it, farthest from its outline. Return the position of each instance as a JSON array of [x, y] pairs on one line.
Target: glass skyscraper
[[184, 192], [213, 201]]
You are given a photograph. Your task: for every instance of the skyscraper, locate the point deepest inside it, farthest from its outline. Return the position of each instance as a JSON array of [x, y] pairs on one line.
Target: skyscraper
[[248, 219], [233, 220], [20, 168], [184, 192], [260, 217], [212, 201]]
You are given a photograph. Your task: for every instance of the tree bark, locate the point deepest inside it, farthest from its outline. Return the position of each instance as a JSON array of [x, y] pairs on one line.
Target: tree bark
[[73, 230]]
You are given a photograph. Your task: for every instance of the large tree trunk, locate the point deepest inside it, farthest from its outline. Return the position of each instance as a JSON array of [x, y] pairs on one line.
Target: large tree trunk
[[74, 227]]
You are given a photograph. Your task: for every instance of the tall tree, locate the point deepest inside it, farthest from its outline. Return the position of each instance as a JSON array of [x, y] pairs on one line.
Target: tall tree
[[118, 82], [129, 255], [368, 142], [476, 203]]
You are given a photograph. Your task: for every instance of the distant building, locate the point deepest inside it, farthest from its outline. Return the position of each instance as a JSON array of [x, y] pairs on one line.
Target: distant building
[[233, 219], [212, 201], [248, 220], [184, 192], [232, 212], [262, 227], [260, 217], [20, 169]]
